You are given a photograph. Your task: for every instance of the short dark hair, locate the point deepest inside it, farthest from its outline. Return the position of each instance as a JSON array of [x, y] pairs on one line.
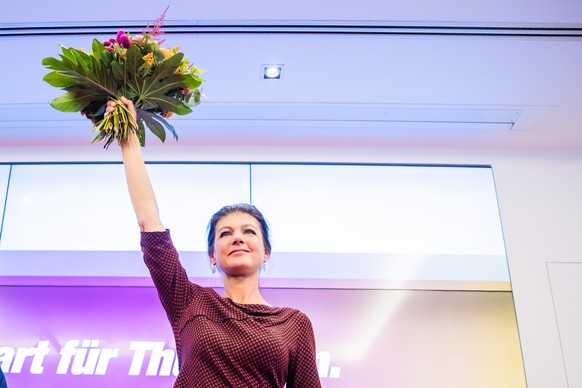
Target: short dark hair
[[238, 208]]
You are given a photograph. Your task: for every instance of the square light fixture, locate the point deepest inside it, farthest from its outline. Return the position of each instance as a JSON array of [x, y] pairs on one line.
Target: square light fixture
[[272, 71]]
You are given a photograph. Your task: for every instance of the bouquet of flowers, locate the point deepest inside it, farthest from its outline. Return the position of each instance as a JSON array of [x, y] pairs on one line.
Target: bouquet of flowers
[[158, 80]]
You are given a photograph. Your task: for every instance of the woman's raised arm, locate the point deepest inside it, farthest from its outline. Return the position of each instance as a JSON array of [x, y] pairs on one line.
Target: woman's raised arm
[[139, 185]]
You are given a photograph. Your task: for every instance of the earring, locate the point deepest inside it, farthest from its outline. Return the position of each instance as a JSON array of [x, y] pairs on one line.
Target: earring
[[264, 266], [213, 268]]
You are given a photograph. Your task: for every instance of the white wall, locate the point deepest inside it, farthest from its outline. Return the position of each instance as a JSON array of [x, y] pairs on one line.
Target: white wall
[[540, 196], [539, 199]]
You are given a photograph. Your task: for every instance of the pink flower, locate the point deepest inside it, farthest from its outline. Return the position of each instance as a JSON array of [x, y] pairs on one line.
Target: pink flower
[[125, 42], [123, 39], [156, 30]]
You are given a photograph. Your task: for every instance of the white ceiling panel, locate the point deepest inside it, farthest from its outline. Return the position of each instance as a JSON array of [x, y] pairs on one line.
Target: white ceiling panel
[[347, 71]]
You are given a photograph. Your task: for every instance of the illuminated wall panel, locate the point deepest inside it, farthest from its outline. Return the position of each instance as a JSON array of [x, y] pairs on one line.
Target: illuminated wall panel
[[189, 194], [74, 207], [68, 207], [386, 226]]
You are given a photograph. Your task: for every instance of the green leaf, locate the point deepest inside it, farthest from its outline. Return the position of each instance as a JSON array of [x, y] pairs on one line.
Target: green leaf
[[82, 76], [105, 56], [133, 60], [102, 74], [126, 75], [197, 96], [169, 127], [71, 102], [166, 104], [53, 63], [141, 135], [98, 50], [162, 80], [156, 124], [192, 81], [83, 62], [118, 71], [171, 83], [58, 80]]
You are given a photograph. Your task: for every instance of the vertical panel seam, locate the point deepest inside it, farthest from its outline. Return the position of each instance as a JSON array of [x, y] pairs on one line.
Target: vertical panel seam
[[251, 183], [557, 321], [5, 202]]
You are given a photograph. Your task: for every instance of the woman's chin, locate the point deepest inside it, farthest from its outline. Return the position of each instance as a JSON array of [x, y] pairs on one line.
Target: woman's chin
[[240, 270]]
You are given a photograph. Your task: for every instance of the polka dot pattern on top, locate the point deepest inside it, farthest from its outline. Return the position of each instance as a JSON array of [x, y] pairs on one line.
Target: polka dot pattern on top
[[221, 343]]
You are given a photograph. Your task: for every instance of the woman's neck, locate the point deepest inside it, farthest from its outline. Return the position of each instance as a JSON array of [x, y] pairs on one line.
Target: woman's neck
[[243, 291]]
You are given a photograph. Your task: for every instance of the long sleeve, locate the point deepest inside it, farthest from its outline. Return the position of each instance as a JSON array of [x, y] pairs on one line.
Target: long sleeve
[[303, 366], [168, 274]]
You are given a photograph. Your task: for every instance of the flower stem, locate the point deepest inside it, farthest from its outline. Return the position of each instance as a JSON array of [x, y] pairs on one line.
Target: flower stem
[[119, 124]]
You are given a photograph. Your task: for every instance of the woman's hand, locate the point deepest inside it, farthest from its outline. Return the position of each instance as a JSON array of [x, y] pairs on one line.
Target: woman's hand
[[131, 137], [127, 102]]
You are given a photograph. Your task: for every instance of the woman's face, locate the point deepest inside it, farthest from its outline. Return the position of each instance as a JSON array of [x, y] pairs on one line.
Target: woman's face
[[239, 249]]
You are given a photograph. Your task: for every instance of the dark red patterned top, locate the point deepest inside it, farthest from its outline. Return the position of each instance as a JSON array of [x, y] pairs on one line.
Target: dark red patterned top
[[221, 343]]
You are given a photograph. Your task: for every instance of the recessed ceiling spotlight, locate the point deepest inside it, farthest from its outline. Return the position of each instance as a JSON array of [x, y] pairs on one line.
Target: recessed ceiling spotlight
[[272, 71]]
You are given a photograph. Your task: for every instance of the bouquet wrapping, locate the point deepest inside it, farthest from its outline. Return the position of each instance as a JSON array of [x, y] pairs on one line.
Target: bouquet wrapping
[[160, 81]]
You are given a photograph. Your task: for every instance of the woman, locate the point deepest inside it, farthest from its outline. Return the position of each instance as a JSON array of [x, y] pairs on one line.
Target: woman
[[234, 340]]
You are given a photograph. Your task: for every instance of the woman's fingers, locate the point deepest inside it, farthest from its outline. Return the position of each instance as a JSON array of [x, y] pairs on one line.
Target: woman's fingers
[[110, 107], [129, 104]]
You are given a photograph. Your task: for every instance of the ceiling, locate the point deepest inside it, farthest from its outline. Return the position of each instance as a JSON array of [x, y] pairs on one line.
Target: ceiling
[[419, 73]]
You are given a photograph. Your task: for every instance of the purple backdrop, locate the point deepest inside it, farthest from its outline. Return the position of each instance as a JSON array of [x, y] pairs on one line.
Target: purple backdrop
[[68, 336]]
